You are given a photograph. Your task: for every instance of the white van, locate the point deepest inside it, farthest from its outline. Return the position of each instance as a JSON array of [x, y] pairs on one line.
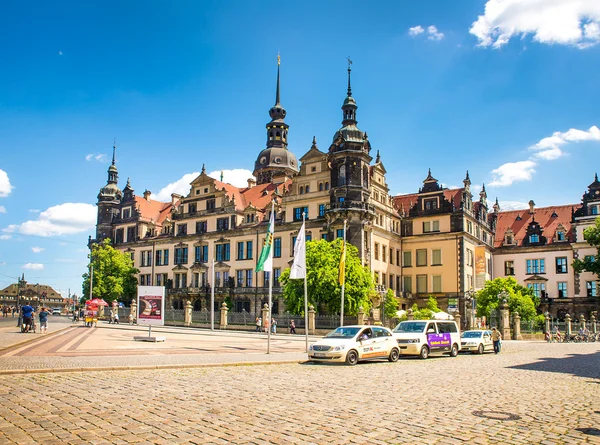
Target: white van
[[425, 337]]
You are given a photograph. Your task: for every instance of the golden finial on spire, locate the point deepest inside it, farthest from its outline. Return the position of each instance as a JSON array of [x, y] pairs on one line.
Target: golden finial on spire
[[278, 59]]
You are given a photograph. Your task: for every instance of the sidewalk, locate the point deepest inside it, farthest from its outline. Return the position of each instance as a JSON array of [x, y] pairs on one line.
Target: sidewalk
[[74, 348]]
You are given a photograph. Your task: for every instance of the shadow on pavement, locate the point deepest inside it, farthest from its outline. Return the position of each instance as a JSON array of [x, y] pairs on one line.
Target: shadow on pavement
[[580, 365]]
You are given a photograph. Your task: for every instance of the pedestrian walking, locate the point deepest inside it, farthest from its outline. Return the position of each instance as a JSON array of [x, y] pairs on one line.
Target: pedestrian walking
[[116, 318], [496, 338], [258, 324], [266, 327], [274, 326], [292, 327], [44, 320]]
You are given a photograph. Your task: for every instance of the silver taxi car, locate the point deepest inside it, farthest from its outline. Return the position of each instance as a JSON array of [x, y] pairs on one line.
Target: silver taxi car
[[476, 341], [350, 344]]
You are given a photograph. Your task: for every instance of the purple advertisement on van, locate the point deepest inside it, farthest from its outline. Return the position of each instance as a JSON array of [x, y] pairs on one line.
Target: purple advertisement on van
[[439, 340]]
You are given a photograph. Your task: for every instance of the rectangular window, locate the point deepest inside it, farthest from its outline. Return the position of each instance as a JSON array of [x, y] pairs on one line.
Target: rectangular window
[[391, 282], [158, 259], [426, 227], [321, 210], [217, 279], [201, 227], [166, 257], [222, 224], [469, 257], [391, 257], [192, 208], [249, 277], [210, 204], [119, 236], [181, 229], [561, 265], [293, 246], [308, 237], [240, 278], [181, 255], [159, 281], [324, 236], [536, 266], [240, 250], [376, 251], [249, 250], [435, 226], [131, 234], [277, 247], [276, 275], [436, 257], [421, 284], [509, 268], [201, 254], [562, 289], [537, 288], [407, 284], [146, 258], [222, 252], [266, 278], [298, 213], [407, 259], [591, 288], [383, 254], [339, 233], [177, 281], [437, 283], [421, 258]]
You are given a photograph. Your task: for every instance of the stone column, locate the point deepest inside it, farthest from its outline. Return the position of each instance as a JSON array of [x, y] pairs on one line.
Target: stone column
[[516, 335], [547, 325], [581, 321], [457, 319], [265, 316], [187, 314], [567, 326], [133, 310], [504, 321], [593, 322], [409, 314], [224, 310], [361, 316], [311, 319]]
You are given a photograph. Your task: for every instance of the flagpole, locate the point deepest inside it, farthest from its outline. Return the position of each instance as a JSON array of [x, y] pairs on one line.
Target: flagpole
[[305, 289], [344, 277], [212, 298], [270, 285]]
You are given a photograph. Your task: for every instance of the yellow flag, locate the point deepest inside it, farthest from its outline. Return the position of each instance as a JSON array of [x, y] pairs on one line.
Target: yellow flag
[[343, 264]]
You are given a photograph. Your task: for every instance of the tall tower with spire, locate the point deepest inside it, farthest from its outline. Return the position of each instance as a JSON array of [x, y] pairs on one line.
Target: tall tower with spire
[[276, 160], [109, 200], [349, 160]]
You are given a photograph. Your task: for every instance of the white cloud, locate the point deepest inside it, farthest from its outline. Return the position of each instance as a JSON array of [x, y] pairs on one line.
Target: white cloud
[[415, 30], [62, 219], [512, 205], [33, 266], [5, 237], [434, 34], [237, 177], [37, 249], [100, 157], [511, 172], [5, 186], [60, 53], [549, 147], [2, 209], [564, 22]]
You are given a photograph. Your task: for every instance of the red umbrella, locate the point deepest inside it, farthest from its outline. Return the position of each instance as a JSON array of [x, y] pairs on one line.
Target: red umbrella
[[96, 302]]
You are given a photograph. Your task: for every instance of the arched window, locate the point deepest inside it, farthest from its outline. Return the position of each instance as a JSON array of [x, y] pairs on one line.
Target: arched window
[[277, 136], [327, 186], [271, 135], [301, 190], [342, 175], [307, 189], [320, 186]]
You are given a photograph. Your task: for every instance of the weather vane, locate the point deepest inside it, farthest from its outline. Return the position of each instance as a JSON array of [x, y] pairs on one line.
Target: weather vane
[[349, 61]]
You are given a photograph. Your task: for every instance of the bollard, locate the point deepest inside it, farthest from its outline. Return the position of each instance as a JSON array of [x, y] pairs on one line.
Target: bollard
[[361, 316], [567, 327], [265, 318], [593, 322], [581, 322], [187, 314], [457, 320], [504, 321], [224, 310], [547, 325], [311, 319], [133, 311], [516, 327]]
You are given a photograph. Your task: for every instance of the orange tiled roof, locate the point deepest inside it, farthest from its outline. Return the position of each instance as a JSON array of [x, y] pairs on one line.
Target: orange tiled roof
[[548, 218], [151, 210], [406, 202]]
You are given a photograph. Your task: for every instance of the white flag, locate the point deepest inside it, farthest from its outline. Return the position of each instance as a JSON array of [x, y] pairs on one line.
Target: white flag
[[299, 266]]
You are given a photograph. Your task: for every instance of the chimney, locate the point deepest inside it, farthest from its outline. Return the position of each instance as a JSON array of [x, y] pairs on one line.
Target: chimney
[[531, 207], [175, 197], [251, 182], [147, 194]]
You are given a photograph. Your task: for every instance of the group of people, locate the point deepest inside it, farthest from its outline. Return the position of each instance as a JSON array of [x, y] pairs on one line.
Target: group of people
[[8, 310], [28, 321], [264, 327]]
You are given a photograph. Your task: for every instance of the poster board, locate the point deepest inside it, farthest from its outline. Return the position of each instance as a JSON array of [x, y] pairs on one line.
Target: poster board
[[480, 267], [151, 305]]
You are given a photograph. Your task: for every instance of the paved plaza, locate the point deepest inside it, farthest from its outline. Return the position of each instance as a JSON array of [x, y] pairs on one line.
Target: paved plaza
[[531, 393]]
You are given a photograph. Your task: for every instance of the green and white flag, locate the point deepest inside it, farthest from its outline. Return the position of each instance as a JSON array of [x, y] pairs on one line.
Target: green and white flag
[[265, 261]]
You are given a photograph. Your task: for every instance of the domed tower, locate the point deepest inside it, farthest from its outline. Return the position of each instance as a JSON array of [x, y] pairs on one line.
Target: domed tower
[[109, 200], [349, 160], [276, 159]]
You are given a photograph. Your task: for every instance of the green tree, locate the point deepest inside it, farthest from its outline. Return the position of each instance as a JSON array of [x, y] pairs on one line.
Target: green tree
[[391, 304], [590, 263], [427, 312], [519, 298], [114, 274], [324, 289]]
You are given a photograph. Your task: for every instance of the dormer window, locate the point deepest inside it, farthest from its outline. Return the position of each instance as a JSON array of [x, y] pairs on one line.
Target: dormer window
[[594, 210], [508, 240], [534, 238], [560, 236]]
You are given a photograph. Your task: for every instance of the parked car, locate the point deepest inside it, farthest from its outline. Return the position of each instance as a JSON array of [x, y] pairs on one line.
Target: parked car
[[476, 341], [425, 337], [55, 311], [350, 344]]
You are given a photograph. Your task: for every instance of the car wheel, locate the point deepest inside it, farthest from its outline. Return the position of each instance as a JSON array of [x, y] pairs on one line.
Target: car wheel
[[352, 357], [424, 352], [480, 348], [394, 355], [454, 350]]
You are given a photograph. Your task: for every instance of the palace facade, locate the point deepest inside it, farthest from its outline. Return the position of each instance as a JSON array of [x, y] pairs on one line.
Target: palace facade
[[436, 241]]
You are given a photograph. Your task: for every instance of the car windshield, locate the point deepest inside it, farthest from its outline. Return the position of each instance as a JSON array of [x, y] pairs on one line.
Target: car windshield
[[471, 334], [343, 333], [410, 326]]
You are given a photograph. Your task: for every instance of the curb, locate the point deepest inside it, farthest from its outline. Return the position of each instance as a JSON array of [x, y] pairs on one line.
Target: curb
[[144, 367]]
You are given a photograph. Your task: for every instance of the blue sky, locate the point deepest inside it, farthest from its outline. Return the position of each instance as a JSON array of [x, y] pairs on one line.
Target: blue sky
[[506, 89]]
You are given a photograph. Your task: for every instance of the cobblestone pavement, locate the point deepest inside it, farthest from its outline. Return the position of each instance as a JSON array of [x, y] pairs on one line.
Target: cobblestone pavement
[[531, 393]]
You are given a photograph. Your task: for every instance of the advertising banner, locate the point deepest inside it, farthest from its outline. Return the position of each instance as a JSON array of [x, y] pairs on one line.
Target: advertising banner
[[439, 340], [151, 305], [480, 267]]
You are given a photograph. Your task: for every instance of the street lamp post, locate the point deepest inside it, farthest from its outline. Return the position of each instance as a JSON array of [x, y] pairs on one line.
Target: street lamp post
[[20, 284]]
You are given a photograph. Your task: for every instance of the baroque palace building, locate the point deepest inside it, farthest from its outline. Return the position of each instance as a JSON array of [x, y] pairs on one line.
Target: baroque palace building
[[434, 242]]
